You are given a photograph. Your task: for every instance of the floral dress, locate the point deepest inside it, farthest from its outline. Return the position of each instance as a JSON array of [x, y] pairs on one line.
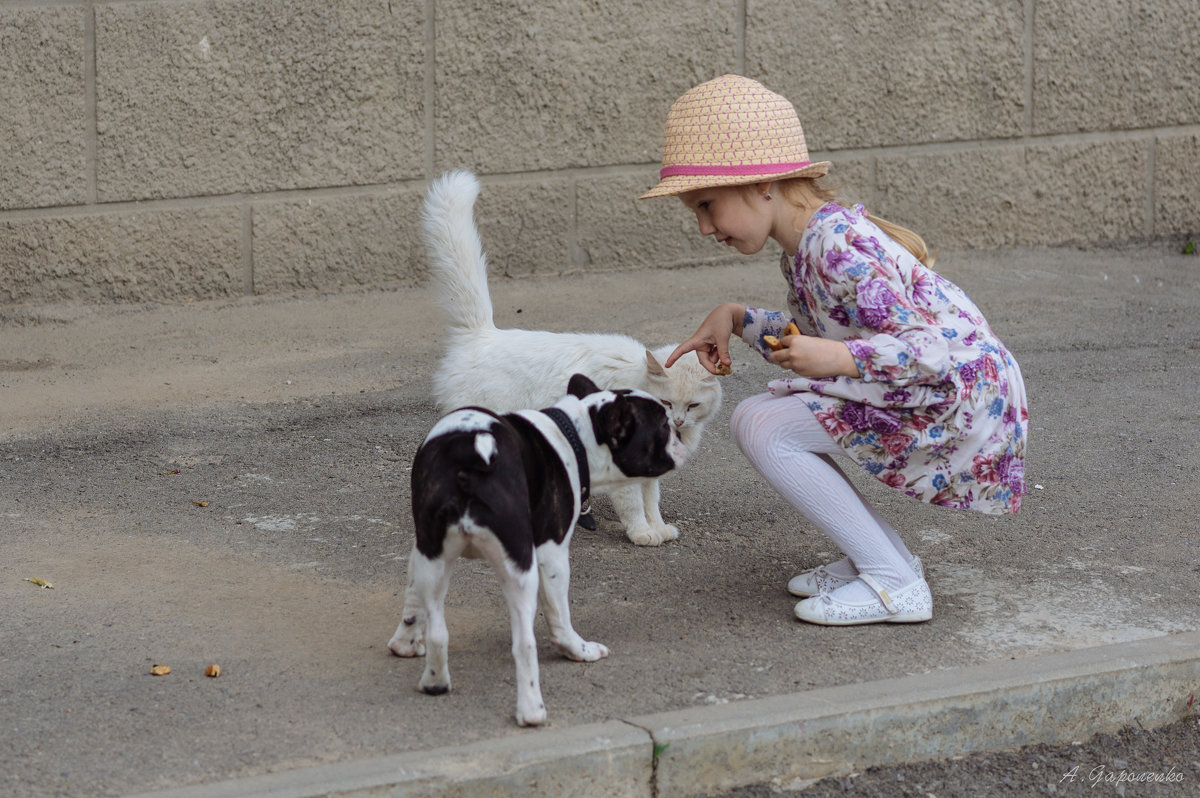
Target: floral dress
[[940, 411]]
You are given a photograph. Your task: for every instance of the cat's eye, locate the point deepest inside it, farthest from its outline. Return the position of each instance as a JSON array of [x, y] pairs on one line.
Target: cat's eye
[[668, 404], [693, 405]]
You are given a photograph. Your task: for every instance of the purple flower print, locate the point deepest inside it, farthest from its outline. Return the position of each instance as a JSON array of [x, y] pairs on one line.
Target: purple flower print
[[866, 417], [875, 300], [837, 260], [969, 372], [923, 289], [1011, 471], [873, 249], [840, 315]]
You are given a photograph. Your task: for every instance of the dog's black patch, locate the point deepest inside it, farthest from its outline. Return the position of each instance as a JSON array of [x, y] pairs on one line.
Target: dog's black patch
[[522, 494], [637, 447]]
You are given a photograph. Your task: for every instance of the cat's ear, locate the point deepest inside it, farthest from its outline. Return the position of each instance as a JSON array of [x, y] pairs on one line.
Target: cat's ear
[[580, 386], [653, 366]]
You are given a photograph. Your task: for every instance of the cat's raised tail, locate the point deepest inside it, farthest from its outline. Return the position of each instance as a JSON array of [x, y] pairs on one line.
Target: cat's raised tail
[[456, 260]]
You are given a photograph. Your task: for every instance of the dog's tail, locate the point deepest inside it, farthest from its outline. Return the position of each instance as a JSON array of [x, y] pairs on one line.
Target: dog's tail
[[456, 259]]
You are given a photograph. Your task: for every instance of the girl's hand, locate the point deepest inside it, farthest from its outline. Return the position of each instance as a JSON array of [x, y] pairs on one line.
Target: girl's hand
[[710, 342], [809, 356]]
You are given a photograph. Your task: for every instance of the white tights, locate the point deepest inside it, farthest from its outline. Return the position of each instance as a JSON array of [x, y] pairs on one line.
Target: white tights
[[788, 446]]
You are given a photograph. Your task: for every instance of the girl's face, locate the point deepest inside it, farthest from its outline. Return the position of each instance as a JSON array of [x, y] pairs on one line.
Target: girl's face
[[733, 215]]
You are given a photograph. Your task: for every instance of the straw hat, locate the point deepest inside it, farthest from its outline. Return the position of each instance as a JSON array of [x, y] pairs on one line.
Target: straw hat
[[728, 132]]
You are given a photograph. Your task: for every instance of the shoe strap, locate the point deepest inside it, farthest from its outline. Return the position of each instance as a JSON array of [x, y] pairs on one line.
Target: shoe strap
[[873, 583]]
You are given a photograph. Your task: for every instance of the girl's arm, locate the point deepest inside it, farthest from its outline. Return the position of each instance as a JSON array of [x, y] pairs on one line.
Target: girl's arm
[[806, 355], [816, 357]]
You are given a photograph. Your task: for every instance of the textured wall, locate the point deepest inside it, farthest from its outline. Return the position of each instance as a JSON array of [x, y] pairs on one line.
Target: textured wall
[[168, 149]]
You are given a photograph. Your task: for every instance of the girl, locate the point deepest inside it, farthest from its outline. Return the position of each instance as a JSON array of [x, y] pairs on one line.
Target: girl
[[894, 366]]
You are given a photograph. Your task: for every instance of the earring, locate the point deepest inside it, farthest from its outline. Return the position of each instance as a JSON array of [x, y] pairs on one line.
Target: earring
[[767, 196]]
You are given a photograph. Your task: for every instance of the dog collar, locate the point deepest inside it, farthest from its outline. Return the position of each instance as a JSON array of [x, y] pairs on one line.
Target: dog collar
[[572, 435]]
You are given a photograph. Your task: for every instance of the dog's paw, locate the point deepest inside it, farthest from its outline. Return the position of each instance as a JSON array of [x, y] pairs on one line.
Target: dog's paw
[[408, 641], [533, 716], [591, 651], [407, 648], [433, 683], [531, 710], [581, 650]]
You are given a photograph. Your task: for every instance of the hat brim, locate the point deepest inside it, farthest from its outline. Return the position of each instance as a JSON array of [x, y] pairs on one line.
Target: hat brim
[[681, 184]]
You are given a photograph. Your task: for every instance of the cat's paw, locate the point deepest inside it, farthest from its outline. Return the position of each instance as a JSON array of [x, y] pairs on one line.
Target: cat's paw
[[667, 531], [649, 536]]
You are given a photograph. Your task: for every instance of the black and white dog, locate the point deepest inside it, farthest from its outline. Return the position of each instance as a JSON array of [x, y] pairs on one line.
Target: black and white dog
[[508, 488]]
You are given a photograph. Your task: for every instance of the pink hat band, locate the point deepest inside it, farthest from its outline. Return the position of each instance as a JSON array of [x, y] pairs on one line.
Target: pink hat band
[[732, 131], [734, 169]]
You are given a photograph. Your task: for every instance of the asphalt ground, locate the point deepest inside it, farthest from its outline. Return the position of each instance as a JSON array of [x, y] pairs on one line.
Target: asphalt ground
[[227, 482]]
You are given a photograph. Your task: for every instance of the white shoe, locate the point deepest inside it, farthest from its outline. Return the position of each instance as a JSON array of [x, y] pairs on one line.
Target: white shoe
[[911, 604], [816, 581]]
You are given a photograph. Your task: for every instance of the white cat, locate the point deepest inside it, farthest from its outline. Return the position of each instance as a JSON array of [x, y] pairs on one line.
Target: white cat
[[508, 370]]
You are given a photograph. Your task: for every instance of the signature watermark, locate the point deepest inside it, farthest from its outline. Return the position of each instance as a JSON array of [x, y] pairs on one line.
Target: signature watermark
[[1101, 774], [1120, 776]]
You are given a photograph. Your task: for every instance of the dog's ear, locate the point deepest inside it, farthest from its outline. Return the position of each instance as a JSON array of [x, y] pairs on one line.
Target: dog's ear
[[580, 386], [613, 424]]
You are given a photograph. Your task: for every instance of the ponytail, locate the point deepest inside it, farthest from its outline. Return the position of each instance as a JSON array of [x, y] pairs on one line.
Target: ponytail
[[804, 191], [905, 238]]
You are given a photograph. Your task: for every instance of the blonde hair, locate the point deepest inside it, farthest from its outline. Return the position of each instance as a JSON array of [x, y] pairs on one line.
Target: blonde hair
[[804, 191]]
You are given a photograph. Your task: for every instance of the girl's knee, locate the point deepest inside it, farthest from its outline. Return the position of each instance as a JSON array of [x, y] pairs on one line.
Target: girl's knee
[[746, 418], [765, 422]]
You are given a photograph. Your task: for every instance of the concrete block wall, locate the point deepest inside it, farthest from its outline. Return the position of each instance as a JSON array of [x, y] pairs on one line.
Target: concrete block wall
[[176, 149]]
